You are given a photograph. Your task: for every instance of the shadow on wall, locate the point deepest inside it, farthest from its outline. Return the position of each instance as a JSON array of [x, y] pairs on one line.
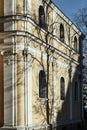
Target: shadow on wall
[[71, 105]]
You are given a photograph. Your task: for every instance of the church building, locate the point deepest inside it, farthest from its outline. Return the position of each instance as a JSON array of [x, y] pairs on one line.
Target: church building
[[40, 67]]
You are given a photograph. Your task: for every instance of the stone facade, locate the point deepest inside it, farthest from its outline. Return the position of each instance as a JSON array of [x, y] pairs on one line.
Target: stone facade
[[35, 36]]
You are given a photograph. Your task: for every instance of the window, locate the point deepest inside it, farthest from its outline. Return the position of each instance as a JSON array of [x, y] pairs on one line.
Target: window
[[42, 85], [80, 45], [75, 43], [41, 17], [76, 92], [61, 32], [62, 88]]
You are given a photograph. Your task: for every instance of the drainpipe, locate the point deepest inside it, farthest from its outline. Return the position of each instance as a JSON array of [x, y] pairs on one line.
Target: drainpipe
[[47, 105], [70, 75]]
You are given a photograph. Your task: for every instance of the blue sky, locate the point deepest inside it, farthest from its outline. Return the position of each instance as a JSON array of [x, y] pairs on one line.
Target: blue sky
[[70, 7]]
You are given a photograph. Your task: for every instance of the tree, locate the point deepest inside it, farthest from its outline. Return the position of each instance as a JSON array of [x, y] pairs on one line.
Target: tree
[[80, 19]]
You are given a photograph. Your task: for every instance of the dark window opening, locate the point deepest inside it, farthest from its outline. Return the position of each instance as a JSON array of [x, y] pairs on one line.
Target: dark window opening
[[42, 85], [42, 23], [75, 43], [62, 88], [62, 33]]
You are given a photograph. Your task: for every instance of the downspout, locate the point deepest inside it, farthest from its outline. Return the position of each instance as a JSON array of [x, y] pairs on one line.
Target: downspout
[[47, 103], [48, 55], [70, 73]]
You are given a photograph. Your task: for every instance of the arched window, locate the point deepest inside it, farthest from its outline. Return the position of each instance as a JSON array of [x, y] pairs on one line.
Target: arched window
[[76, 92], [41, 17], [42, 84], [62, 32], [75, 43], [62, 88]]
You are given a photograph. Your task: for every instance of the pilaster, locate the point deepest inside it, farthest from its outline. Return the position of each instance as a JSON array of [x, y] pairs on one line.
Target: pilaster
[[20, 89]]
